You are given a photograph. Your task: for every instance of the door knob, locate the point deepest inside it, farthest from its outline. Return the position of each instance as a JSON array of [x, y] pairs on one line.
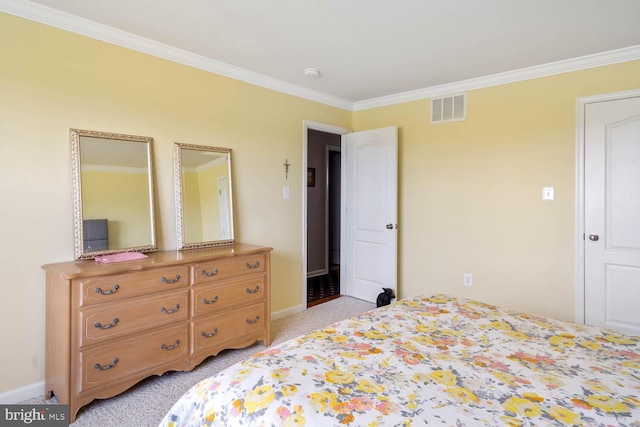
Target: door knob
[[391, 226], [594, 237]]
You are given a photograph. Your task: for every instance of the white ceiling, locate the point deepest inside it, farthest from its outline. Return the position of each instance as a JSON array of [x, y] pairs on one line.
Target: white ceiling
[[366, 49]]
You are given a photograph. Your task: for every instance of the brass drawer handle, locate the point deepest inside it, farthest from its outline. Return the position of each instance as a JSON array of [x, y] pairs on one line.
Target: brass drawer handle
[[108, 292], [209, 301], [253, 265], [252, 321], [211, 334], [170, 347], [165, 280], [108, 325], [109, 366], [213, 272], [252, 291], [170, 311]]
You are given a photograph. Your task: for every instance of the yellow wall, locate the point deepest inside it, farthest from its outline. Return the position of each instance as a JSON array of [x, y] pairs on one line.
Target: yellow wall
[[51, 81], [470, 192], [470, 198]]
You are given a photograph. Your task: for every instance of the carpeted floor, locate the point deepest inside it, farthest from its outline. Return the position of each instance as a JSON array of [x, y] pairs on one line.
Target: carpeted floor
[[146, 403]]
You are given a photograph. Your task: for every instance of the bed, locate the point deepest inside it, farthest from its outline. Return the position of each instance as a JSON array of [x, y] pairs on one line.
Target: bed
[[431, 360]]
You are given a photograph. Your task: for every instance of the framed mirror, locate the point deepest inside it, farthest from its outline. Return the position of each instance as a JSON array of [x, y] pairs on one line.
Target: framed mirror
[[113, 193], [204, 202]]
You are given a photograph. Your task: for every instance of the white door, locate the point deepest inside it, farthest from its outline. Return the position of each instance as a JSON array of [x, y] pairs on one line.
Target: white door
[[612, 214], [369, 209]]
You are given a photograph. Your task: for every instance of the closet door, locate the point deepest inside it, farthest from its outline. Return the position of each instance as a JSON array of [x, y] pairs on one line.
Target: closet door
[[612, 214]]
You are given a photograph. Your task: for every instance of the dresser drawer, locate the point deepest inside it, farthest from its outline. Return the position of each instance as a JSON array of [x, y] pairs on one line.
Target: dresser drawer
[[208, 298], [108, 363], [96, 290], [216, 330], [228, 267], [106, 321]]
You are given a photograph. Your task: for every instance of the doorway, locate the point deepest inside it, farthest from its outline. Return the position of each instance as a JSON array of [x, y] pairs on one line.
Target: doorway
[[369, 169], [323, 216]]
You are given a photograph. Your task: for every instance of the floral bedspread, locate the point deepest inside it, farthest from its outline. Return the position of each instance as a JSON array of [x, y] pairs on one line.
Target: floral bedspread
[[432, 360]]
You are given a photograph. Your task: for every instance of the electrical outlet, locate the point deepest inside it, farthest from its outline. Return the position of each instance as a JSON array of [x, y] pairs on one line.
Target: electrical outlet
[[467, 279]]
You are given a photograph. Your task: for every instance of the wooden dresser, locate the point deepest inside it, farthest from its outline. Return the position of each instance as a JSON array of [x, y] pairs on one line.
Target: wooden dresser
[[111, 325]]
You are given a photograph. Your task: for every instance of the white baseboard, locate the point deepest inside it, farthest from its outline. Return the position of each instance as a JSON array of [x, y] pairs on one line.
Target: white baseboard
[[21, 394], [287, 312]]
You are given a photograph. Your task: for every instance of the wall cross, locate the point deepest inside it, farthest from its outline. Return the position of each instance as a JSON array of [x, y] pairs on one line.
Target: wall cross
[[286, 165]]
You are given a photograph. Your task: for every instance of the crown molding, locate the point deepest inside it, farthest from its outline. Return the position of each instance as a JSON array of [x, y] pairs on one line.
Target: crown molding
[[575, 64], [64, 21], [55, 18]]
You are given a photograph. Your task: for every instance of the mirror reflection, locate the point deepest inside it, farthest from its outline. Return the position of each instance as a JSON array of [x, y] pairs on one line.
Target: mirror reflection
[[204, 208], [113, 193]]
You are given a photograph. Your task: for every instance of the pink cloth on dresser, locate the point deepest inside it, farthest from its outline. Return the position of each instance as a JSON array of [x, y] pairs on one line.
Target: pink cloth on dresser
[[125, 256]]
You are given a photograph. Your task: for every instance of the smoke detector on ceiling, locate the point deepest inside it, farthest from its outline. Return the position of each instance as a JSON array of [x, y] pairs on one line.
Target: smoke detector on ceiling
[[311, 72]]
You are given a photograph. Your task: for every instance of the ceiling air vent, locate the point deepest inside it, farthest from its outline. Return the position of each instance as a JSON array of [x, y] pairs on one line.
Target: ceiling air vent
[[451, 108]]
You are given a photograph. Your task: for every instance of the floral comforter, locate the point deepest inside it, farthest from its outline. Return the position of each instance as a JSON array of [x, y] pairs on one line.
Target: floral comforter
[[431, 361]]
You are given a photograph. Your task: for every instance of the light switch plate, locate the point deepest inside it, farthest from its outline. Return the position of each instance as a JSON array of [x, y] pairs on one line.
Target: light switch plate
[[547, 193], [285, 193]]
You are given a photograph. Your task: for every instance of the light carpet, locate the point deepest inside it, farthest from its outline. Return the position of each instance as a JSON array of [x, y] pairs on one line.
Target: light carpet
[[148, 401]]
